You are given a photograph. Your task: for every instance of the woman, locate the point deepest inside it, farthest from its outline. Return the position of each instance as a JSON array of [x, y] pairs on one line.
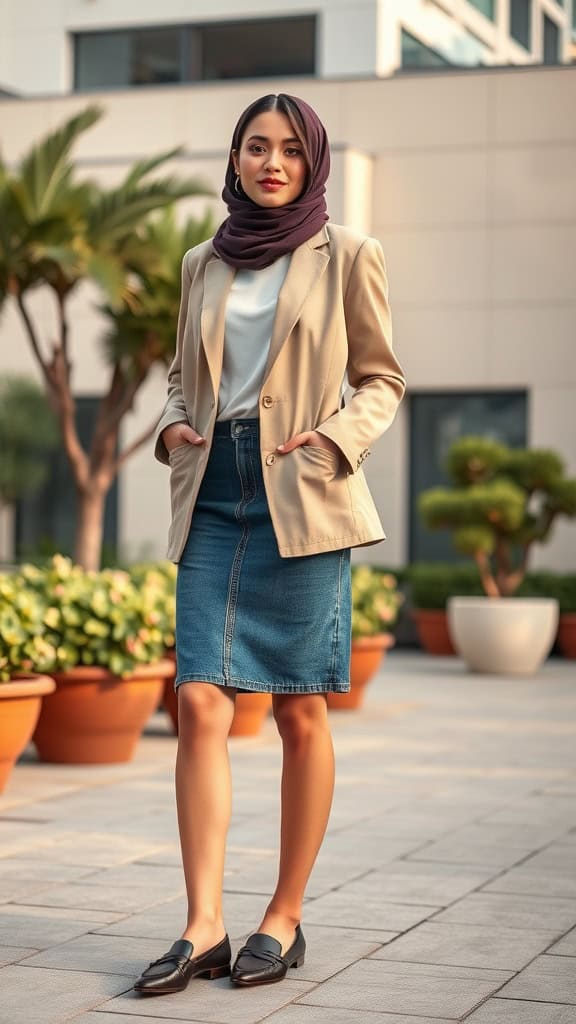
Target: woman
[[268, 497]]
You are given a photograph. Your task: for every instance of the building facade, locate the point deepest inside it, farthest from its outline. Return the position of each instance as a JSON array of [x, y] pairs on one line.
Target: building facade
[[467, 179], [50, 48]]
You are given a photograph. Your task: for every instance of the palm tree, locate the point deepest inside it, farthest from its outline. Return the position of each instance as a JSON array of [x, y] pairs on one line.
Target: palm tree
[[58, 232]]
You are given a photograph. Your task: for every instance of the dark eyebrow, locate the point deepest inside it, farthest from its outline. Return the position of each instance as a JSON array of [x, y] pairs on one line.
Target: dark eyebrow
[[263, 138]]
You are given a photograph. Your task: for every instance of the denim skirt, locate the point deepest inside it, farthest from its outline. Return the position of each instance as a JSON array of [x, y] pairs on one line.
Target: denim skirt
[[246, 617]]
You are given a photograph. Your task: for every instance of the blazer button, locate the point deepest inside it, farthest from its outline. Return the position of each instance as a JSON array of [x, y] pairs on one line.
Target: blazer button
[[270, 460], [267, 401]]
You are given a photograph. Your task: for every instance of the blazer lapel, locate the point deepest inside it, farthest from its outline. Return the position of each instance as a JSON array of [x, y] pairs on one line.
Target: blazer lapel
[[307, 265], [218, 277]]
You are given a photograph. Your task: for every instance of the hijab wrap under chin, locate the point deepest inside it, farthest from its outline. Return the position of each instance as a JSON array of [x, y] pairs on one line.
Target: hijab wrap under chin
[[253, 236]]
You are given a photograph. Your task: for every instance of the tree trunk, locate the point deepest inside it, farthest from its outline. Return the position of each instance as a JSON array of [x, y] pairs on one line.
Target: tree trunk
[[90, 528]]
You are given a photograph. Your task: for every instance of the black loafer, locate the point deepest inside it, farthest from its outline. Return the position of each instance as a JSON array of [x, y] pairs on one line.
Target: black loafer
[[173, 971], [260, 961]]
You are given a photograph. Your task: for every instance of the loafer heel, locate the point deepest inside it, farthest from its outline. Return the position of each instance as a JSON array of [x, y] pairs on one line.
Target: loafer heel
[[298, 962], [217, 972]]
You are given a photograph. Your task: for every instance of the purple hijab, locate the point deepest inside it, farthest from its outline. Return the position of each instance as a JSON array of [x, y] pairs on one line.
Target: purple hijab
[[253, 236]]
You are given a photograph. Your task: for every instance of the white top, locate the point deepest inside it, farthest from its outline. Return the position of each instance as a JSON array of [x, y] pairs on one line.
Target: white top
[[250, 313]]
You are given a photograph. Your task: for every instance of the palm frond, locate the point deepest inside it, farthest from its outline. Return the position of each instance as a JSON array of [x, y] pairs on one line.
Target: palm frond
[[45, 171]]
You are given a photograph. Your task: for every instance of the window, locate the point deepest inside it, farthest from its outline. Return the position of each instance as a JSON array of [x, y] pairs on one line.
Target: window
[[485, 6], [185, 53], [521, 22], [416, 55], [257, 49], [117, 59], [551, 36], [46, 520], [436, 420]]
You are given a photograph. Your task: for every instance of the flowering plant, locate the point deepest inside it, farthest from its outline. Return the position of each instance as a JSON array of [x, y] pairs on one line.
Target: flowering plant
[[24, 647], [97, 618], [160, 580], [376, 601]]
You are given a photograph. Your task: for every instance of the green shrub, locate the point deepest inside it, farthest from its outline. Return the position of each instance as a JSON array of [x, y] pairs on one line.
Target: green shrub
[[502, 501], [98, 618], [376, 601], [24, 647]]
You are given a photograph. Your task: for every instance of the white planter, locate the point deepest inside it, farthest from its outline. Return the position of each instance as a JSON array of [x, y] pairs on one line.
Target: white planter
[[503, 635]]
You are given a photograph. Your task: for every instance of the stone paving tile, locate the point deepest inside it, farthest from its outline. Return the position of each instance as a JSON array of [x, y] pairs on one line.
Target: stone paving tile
[[242, 913], [100, 954], [80, 896], [103, 1017], [452, 850], [512, 1011], [558, 858], [345, 908], [522, 880], [154, 878], [52, 996], [11, 954], [466, 944], [566, 946], [543, 913], [299, 1014], [13, 889], [36, 870], [97, 848], [548, 978], [40, 930], [416, 989], [407, 882], [213, 1002]]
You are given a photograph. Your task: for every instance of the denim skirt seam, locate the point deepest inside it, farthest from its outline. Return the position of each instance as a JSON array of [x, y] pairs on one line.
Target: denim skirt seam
[[333, 686]]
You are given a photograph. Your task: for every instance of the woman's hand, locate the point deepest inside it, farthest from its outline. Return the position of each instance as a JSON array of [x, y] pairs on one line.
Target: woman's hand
[[178, 434], [311, 437]]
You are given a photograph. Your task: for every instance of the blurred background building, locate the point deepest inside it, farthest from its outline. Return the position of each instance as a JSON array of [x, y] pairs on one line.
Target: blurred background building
[[454, 143]]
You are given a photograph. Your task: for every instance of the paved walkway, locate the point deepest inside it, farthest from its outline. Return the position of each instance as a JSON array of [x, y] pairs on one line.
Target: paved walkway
[[445, 890]]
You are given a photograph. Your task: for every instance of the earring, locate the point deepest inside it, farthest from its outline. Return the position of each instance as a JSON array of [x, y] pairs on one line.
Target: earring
[[236, 183]]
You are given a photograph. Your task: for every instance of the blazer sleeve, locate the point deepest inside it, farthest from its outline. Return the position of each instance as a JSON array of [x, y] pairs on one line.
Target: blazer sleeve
[[174, 410], [373, 370]]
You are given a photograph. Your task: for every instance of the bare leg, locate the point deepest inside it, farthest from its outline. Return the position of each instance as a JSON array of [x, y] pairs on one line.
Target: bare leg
[[307, 790], [204, 798]]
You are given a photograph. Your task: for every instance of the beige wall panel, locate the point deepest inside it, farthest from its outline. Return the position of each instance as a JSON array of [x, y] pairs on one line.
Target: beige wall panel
[[441, 348], [533, 263], [533, 346], [430, 189], [532, 183], [416, 113], [387, 474], [144, 506], [436, 268], [532, 106]]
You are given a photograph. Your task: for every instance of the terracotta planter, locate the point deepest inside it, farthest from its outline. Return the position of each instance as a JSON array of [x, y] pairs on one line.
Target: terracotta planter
[[367, 655], [94, 717], [432, 628], [249, 713], [20, 702], [567, 634]]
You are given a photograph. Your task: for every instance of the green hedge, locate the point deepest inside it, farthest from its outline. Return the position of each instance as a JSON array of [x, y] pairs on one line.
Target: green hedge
[[432, 583]]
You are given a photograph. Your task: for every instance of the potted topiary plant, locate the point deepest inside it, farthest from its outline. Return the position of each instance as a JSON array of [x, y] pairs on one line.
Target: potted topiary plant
[[109, 666], [25, 656], [503, 501], [376, 601]]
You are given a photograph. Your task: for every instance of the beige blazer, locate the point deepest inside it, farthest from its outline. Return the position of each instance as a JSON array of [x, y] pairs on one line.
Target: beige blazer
[[332, 317]]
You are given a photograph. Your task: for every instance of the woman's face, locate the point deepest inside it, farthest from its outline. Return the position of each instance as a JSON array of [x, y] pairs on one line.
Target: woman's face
[[271, 161]]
